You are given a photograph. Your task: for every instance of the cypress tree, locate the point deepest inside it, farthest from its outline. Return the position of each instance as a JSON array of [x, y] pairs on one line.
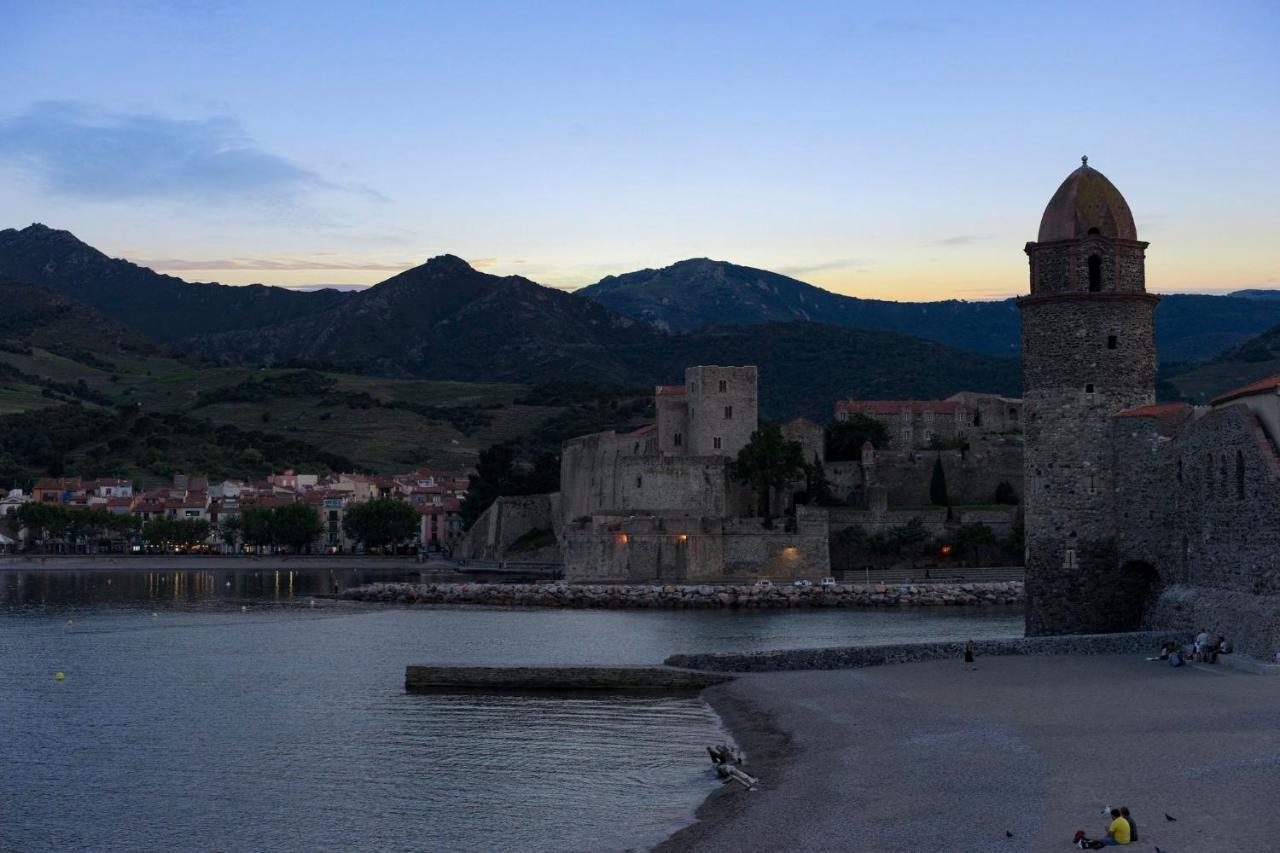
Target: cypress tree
[[938, 486]]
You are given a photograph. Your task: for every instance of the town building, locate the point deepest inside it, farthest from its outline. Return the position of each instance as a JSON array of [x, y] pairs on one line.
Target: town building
[[1136, 513]]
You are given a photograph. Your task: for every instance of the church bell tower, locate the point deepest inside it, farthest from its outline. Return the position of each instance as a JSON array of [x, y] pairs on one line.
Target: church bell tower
[[1088, 353]]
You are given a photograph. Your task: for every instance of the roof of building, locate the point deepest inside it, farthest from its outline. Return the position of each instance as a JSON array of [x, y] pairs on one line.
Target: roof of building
[[1262, 386], [668, 389], [1086, 201], [897, 407], [1155, 411]]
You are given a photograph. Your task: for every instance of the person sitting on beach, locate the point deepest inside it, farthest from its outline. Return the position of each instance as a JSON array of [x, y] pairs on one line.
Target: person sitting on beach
[[1167, 648], [1118, 834], [1224, 646], [1133, 827]]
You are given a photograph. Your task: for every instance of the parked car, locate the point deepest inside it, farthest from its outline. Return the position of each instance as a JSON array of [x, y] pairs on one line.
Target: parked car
[[802, 583], [763, 584], [827, 583]]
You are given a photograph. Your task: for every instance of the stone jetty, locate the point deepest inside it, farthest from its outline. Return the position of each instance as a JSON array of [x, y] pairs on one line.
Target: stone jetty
[[707, 596], [519, 679]]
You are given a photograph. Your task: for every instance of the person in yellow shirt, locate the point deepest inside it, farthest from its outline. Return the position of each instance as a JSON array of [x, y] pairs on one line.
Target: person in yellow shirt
[[1118, 833]]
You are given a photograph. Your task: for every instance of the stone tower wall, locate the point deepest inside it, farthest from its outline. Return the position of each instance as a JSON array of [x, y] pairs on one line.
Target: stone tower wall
[[672, 412], [708, 419], [1086, 357], [1063, 267]]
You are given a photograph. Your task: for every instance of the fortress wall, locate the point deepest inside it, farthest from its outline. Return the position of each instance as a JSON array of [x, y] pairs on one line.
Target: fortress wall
[[506, 520], [646, 549], [972, 477], [1201, 508]]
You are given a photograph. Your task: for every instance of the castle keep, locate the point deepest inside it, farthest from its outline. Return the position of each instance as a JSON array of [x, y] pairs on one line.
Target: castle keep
[[1136, 513]]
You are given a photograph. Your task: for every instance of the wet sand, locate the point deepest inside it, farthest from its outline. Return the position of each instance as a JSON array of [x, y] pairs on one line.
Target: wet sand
[[927, 757]]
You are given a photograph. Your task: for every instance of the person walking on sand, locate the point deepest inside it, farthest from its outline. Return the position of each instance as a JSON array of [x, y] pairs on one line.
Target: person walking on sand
[[968, 656]]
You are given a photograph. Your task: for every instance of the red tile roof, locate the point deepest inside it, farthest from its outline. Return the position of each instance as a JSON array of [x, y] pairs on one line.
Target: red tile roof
[[896, 407], [1155, 411], [668, 389], [1262, 386]]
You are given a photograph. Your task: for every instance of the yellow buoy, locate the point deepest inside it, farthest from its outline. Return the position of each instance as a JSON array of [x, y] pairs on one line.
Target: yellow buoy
[[57, 676]]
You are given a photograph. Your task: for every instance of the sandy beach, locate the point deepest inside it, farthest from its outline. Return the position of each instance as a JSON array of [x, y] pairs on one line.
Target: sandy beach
[[1016, 755]]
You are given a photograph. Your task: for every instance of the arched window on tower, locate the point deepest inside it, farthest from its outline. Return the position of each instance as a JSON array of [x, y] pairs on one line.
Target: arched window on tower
[[1093, 231], [1095, 273], [1239, 475]]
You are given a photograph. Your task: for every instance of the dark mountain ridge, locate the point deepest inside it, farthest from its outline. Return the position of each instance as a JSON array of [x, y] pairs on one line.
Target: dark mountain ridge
[[164, 308], [698, 292], [445, 320], [31, 315]]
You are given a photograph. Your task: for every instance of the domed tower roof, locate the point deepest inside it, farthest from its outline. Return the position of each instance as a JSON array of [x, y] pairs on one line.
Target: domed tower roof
[[1086, 203]]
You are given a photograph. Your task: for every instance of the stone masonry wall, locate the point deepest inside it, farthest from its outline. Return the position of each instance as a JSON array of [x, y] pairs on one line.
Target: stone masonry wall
[[1086, 357], [729, 415]]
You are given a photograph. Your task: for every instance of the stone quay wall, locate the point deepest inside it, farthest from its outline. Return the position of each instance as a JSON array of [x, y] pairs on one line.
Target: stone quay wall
[[619, 596], [857, 657]]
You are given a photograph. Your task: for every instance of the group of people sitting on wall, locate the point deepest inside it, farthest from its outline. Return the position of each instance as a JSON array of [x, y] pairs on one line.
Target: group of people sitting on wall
[[1121, 831], [1205, 649]]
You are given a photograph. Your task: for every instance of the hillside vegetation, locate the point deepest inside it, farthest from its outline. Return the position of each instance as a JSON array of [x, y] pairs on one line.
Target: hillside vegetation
[[1256, 359]]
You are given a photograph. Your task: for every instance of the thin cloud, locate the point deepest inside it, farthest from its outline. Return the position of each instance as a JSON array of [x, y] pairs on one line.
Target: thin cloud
[[958, 240], [261, 264], [824, 266], [79, 150]]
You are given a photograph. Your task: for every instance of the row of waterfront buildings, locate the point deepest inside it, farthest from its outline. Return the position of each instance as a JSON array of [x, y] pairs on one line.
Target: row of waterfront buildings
[[435, 494]]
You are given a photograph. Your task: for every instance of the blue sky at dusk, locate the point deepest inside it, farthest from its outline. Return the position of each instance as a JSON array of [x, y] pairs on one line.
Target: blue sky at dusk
[[890, 150]]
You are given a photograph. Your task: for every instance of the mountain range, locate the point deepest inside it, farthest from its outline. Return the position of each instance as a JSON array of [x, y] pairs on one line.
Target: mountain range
[[694, 293], [446, 320]]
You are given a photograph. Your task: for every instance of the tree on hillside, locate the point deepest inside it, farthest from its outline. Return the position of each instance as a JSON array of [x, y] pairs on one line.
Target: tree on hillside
[[230, 528], [768, 462], [43, 521], [257, 527], [175, 532], [381, 522], [296, 525], [845, 438], [498, 474]]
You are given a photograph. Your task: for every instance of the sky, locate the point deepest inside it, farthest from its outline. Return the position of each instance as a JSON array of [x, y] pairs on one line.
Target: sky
[[887, 150]]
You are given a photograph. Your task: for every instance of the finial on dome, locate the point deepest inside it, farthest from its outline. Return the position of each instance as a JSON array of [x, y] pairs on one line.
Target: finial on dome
[[1084, 162]]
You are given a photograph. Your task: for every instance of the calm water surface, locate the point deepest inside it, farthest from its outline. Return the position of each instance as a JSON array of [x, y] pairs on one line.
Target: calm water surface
[[200, 716]]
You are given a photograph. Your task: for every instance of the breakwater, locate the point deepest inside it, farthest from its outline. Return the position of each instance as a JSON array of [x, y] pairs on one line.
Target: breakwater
[[857, 657], [621, 596], [517, 679]]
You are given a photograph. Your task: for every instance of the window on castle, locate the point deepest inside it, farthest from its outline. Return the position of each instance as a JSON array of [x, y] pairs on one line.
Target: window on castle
[[677, 439], [728, 412], [1111, 341], [724, 386], [1093, 231], [1179, 469], [638, 481], [1239, 475], [977, 419], [1093, 484], [1208, 476], [1069, 559], [1095, 273], [715, 442]]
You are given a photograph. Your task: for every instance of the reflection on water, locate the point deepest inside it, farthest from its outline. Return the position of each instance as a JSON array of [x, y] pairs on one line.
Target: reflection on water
[[184, 586], [186, 722]]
